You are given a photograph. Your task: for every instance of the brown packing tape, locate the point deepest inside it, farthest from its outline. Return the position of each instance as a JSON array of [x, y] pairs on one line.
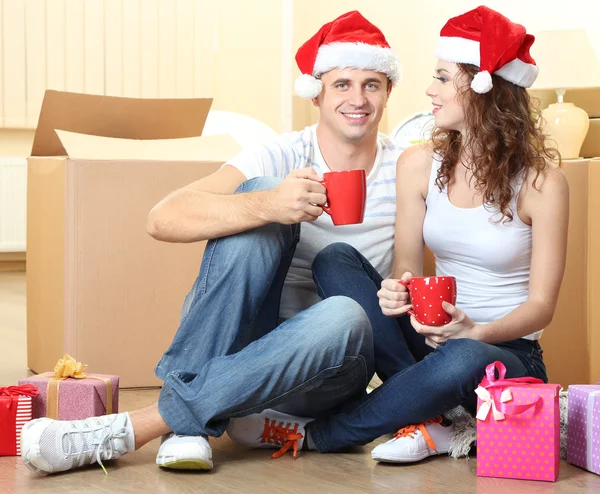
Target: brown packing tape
[[52, 396]]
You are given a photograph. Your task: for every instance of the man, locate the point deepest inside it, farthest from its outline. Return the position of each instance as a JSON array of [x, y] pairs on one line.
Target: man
[[254, 333]]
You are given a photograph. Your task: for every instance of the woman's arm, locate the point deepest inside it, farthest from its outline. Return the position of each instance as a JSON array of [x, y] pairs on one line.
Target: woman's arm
[[548, 208], [412, 178]]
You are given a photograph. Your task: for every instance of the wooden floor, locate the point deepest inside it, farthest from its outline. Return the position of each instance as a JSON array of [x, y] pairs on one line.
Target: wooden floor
[[238, 470]]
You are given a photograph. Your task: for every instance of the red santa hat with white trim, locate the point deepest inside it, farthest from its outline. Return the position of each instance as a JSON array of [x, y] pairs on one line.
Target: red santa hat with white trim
[[350, 41], [487, 39]]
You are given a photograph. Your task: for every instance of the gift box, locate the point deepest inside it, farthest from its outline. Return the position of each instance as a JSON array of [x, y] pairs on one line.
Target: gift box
[[583, 432], [518, 427], [69, 393], [15, 412]]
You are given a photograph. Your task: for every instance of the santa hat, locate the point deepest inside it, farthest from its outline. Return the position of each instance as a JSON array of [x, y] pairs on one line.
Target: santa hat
[[350, 41], [487, 39]]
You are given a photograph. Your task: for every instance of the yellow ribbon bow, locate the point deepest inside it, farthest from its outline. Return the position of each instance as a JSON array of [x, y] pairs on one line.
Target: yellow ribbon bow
[[489, 404], [67, 367]]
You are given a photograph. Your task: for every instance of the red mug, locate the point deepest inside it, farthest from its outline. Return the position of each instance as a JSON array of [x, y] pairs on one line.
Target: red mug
[[426, 297], [346, 196]]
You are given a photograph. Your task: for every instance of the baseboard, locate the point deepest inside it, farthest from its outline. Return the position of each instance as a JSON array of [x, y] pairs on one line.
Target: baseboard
[[12, 261]]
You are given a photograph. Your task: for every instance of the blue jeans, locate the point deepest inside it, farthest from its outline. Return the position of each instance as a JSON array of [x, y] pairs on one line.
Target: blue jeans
[[230, 356], [419, 382]]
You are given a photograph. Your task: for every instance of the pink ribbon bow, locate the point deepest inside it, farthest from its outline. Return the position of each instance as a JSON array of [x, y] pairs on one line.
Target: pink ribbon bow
[[495, 398]]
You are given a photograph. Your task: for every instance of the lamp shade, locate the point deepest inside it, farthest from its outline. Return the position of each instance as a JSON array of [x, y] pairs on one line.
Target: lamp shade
[[566, 59]]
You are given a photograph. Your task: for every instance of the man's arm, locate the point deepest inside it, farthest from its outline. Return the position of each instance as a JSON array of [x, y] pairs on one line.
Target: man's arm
[[209, 208]]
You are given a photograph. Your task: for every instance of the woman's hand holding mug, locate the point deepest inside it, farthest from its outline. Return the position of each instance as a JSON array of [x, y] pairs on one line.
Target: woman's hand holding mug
[[394, 298]]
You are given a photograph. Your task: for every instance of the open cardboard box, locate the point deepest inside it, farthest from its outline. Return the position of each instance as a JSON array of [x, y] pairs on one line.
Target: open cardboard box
[[98, 286], [586, 98]]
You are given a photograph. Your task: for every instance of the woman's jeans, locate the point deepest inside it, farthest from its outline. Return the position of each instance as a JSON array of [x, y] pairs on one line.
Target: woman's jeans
[[418, 382]]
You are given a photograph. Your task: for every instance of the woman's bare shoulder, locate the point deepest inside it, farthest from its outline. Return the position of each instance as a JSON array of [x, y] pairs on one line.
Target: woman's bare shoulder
[[416, 158], [549, 180]]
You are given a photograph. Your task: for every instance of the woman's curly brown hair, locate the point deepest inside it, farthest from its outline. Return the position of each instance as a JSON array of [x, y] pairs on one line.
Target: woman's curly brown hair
[[503, 141]]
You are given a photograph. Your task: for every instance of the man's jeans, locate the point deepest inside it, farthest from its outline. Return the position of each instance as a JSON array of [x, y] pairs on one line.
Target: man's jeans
[[418, 382], [231, 358]]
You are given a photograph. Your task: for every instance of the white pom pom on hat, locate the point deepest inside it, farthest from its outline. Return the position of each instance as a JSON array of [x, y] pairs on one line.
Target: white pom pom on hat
[[350, 41], [487, 39], [482, 82]]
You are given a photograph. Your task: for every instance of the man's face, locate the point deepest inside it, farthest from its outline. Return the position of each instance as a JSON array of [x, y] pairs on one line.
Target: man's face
[[352, 101]]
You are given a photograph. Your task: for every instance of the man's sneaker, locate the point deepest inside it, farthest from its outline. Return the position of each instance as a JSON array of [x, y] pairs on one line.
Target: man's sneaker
[[269, 429], [184, 452], [415, 442], [50, 446]]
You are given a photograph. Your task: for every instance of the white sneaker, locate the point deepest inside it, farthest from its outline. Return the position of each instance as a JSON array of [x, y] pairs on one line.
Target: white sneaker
[[50, 446], [184, 452], [415, 442], [269, 429]]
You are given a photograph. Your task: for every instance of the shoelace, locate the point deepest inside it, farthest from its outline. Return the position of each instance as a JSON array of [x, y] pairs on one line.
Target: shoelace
[[103, 445], [410, 430], [281, 435]]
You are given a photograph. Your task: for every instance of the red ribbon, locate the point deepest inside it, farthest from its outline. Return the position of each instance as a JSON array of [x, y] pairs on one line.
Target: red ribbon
[[16, 391], [494, 386]]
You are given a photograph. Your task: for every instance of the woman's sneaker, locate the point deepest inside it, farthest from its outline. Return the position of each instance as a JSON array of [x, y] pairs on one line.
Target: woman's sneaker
[[184, 453], [415, 442], [50, 446]]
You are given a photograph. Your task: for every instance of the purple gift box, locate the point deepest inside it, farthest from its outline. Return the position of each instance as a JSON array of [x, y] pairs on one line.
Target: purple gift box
[[583, 433], [77, 398]]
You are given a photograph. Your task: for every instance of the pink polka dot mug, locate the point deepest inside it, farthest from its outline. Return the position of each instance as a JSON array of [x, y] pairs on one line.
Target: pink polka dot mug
[[426, 297]]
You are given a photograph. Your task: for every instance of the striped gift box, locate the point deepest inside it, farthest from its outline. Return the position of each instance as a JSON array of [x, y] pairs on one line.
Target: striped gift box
[[15, 411], [24, 415]]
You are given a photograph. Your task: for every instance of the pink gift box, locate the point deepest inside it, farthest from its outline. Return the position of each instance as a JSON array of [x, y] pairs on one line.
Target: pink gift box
[[583, 432], [77, 398], [518, 427]]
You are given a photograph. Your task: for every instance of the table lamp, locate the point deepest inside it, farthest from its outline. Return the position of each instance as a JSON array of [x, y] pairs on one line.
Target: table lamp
[[566, 60]]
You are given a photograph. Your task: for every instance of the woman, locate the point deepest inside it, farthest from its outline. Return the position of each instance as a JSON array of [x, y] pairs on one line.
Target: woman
[[493, 209], [487, 200]]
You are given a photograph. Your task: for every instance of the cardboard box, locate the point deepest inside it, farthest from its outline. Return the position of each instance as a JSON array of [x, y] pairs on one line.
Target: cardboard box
[[591, 145], [587, 98], [571, 342], [98, 286]]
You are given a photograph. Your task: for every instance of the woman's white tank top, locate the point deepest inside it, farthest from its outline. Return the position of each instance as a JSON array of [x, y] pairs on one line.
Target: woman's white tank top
[[491, 260]]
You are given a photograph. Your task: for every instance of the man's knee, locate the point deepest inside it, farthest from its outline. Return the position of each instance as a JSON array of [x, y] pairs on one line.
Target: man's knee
[[258, 183], [343, 320]]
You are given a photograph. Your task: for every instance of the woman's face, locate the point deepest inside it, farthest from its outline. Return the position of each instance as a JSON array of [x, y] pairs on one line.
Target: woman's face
[[444, 93]]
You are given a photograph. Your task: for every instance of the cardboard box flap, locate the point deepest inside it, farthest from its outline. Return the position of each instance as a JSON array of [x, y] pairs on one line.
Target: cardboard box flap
[[204, 148], [111, 116]]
